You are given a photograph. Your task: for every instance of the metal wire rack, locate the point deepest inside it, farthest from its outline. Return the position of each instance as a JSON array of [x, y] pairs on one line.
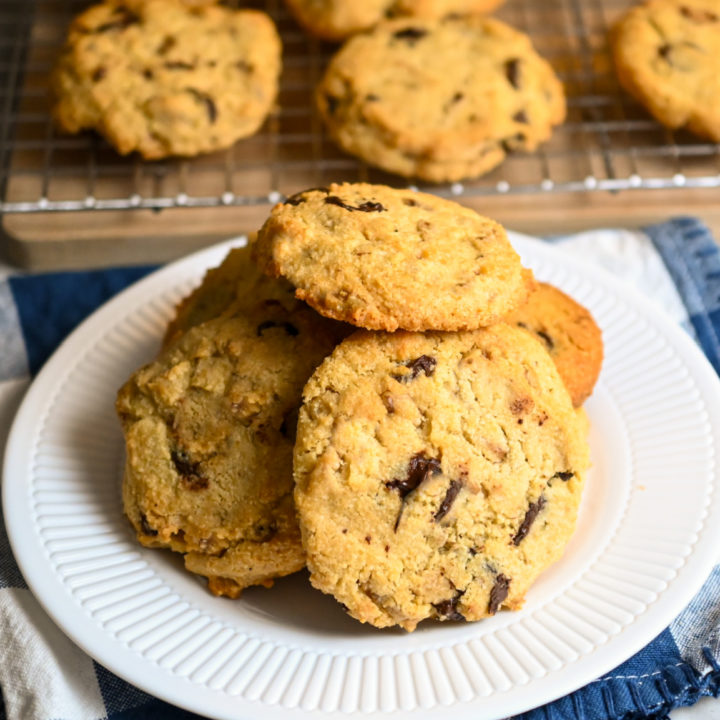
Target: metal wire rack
[[608, 143]]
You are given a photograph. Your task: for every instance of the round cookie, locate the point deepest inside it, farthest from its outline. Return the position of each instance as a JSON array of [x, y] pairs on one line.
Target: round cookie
[[570, 335], [236, 282], [162, 78], [436, 474], [439, 100], [384, 258], [336, 20], [209, 430], [666, 56]]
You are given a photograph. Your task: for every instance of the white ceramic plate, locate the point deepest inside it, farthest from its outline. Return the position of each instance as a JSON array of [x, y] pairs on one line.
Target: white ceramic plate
[[647, 537]]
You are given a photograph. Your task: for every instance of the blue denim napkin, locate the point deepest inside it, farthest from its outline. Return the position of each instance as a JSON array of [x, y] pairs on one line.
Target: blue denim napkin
[[44, 676]]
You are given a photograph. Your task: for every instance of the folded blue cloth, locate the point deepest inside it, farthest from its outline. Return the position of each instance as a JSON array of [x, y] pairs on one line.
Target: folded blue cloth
[[678, 261]]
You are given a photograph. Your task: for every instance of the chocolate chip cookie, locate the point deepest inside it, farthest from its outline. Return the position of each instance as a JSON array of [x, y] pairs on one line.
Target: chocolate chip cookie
[[338, 19], [209, 429], [437, 474], [666, 56], [162, 78], [384, 258], [439, 100], [570, 335], [236, 285]]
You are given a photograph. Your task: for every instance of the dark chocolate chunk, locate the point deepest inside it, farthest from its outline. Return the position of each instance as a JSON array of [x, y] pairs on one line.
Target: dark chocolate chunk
[[363, 207], [448, 608], [188, 471], [520, 117], [289, 328], [512, 72], [665, 52], [288, 427], [498, 593], [548, 340], [457, 97], [564, 476], [148, 74], [178, 65], [332, 103], [410, 34], [99, 74], [513, 142], [450, 496], [263, 532], [209, 103], [532, 512], [299, 197], [698, 15], [125, 18], [424, 363], [419, 469], [166, 45], [146, 527]]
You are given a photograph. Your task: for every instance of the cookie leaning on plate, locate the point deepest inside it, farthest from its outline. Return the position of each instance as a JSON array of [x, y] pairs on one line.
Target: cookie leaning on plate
[[338, 19], [666, 55], [439, 100], [235, 286], [436, 474], [384, 258], [209, 432], [569, 333], [161, 78]]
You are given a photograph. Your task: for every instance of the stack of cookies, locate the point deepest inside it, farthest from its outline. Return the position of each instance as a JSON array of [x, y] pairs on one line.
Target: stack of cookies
[[426, 463]]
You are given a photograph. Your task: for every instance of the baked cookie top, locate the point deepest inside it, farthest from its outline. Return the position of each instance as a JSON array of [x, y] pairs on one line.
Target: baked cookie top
[[338, 19], [209, 429], [385, 258], [439, 100], [236, 285], [162, 78], [569, 333], [666, 55], [436, 474]]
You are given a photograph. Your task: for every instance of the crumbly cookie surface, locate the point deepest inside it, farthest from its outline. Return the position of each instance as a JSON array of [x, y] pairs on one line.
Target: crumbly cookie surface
[[236, 285], [439, 100], [569, 333], [666, 56], [338, 19], [385, 258], [436, 474], [209, 432], [162, 78]]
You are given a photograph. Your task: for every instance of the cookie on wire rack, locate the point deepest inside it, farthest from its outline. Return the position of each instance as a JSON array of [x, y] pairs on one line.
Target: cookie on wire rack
[[162, 78], [441, 101], [667, 56], [336, 20]]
